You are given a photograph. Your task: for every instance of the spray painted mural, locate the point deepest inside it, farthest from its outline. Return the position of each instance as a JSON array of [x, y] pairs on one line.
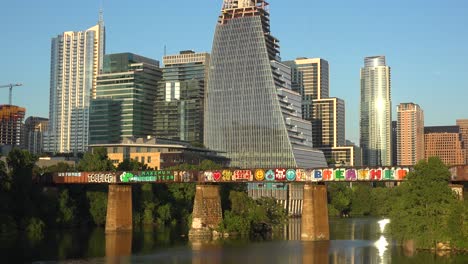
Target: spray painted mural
[[244, 175]]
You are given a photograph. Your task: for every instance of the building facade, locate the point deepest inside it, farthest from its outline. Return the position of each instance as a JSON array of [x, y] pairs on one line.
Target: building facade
[[446, 143], [180, 97], [410, 134], [463, 124], [250, 113], [328, 125], [311, 78], [11, 124], [159, 153], [33, 136], [341, 156], [125, 94], [376, 112], [76, 60]]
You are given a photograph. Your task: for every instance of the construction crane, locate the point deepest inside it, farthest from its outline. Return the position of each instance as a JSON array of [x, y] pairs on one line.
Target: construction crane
[[11, 85]]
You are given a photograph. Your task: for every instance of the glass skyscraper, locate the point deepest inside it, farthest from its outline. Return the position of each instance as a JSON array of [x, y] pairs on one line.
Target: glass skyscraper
[[251, 114], [180, 98], [125, 94], [376, 113], [76, 60]]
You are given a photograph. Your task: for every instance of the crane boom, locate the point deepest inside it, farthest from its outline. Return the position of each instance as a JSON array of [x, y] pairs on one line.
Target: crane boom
[[11, 85]]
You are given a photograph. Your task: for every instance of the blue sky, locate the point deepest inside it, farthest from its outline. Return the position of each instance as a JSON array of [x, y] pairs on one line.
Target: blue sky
[[425, 42]]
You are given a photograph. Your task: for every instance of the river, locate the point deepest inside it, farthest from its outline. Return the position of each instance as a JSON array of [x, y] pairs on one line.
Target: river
[[352, 240]]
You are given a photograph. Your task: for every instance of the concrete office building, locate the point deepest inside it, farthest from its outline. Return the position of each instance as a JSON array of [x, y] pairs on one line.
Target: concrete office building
[[76, 60], [376, 113], [180, 97], [446, 143], [125, 94], [250, 112], [410, 134]]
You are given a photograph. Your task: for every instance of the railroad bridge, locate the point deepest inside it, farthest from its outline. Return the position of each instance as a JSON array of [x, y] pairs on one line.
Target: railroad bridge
[[207, 212]]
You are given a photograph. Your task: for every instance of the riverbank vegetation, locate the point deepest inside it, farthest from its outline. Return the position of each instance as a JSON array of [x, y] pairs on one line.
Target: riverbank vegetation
[[423, 208], [31, 207]]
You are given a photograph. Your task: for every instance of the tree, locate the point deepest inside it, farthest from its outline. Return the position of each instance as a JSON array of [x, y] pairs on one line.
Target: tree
[[131, 165], [424, 205], [340, 197], [247, 216], [96, 161], [21, 163], [360, 199], [97, 206]]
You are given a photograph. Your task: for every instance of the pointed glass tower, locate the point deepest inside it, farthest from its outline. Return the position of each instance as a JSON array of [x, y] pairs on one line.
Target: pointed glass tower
[[251, 112]]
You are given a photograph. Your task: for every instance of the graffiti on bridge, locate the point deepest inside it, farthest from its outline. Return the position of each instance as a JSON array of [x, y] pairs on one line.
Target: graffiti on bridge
[[239, 175]]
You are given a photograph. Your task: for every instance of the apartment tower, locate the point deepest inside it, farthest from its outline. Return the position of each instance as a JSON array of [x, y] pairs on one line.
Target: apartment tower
[[376, 113], [410, 134], [76, 61]]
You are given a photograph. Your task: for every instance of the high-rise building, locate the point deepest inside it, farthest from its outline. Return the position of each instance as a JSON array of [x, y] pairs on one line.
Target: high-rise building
[[250, 113], [310, 77], [328, 125], [446, 143], [376, 113], [11, 123], [394, 143], [34, 129], [180, 97], [463, 124], [76, 60], [125, 94], [410, 134]]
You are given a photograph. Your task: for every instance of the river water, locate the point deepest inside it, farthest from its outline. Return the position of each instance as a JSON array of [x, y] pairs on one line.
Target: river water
[[352, 240]]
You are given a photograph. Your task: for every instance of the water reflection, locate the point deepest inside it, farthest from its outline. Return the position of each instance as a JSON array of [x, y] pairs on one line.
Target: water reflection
[[118, 247], [352, 241], [315, 252], [206, 252]]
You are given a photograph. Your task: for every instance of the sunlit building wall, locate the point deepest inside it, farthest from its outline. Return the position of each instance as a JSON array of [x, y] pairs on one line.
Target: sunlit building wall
[[376, 112], [410, 134], [446, 143]]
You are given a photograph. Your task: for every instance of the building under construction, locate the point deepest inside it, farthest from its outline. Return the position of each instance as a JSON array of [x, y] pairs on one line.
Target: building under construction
[[11, 120]]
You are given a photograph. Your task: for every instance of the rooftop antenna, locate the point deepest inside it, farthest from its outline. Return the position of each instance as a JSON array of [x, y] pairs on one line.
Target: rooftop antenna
[[164, 50]]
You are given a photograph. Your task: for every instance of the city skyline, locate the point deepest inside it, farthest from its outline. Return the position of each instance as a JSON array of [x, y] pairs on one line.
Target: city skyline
[[415, 50]]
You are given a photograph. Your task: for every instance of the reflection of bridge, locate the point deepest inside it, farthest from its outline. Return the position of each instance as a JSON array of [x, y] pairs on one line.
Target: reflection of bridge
[[207, 211]]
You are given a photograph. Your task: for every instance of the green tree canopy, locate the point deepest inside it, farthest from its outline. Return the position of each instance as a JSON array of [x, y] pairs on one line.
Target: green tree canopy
[[425, 203], [96, 161]]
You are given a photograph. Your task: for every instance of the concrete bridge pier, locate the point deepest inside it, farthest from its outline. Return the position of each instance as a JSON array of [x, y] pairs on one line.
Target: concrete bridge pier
[[207, 213], [315, 213], [119, 208]]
